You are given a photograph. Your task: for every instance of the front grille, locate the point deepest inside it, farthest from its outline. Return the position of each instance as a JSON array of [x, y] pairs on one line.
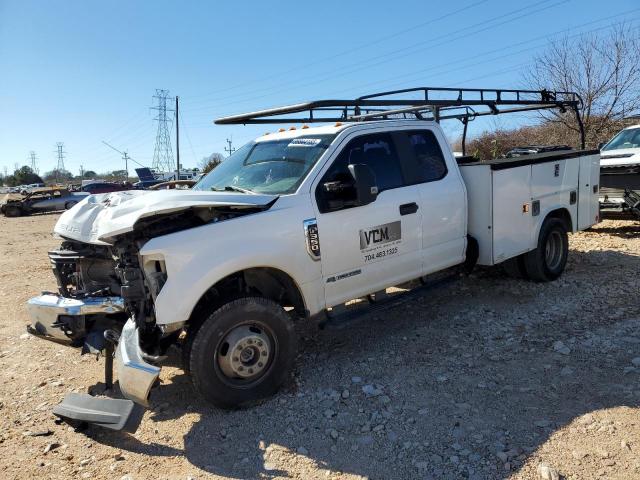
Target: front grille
[[89, 272], [65, 268]]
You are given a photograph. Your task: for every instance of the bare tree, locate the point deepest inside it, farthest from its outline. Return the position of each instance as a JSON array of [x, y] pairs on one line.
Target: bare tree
[[212, 161], [603, 69]]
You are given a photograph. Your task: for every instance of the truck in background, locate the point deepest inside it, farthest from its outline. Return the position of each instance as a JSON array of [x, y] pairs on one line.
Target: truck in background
[[620, 173]]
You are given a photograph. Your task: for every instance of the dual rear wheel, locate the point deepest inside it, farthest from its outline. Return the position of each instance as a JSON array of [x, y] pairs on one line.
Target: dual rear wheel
[[548, 260]]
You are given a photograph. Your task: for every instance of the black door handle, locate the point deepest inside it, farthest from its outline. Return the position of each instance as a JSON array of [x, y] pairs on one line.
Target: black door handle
[[408, 208]]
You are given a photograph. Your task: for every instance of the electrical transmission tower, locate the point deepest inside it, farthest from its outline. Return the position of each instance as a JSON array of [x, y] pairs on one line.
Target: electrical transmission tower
[[33, 158], [162, 154], [60, 167]]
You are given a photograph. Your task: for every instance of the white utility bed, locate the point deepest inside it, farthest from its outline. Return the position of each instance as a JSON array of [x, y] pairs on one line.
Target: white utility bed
[[510, 198]]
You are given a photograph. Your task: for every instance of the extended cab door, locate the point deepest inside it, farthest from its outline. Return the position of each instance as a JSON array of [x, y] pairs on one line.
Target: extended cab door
[[442, 197], [367, 248]]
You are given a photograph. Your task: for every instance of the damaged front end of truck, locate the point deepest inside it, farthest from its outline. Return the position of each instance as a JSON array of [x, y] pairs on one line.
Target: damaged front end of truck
[[105, 304]]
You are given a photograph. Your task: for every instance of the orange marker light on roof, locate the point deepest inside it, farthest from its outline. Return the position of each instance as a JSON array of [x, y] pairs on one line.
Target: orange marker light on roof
[[305, 126], [292, 128], [338, 124], [281, 129]]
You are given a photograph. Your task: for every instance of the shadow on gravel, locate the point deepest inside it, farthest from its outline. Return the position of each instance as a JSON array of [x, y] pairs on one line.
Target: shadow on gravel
[[455, 383], [623, 231]]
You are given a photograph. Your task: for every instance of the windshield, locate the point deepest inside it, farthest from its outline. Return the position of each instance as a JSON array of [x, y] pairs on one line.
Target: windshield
[[273, 167], [625, 139]]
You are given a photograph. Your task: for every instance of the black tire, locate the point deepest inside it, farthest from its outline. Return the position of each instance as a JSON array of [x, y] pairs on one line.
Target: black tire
[[70, 205], [515, 268], [215, 372], [12, 211], [547, 261]]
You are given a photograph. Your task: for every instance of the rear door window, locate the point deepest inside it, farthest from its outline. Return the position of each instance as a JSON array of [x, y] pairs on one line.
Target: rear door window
[[428, 162]]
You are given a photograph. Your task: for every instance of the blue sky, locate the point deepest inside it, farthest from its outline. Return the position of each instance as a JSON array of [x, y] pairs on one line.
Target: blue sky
[[81, 72]]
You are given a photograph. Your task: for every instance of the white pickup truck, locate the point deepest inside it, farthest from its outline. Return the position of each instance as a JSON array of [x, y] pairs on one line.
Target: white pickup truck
[[290, 225], [620, 173]]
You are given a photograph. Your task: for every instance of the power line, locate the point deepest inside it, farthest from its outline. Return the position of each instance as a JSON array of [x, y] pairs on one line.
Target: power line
[[404, 51], [134, 120], [125, 157], [193, 152], [162, 154], [446, 67], [342, 53]]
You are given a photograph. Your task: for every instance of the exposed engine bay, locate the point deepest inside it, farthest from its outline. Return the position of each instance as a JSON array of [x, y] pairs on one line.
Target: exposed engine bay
[[89, 271]]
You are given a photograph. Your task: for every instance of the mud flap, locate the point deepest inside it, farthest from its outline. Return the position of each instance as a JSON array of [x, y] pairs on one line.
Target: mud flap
[[112, 413]]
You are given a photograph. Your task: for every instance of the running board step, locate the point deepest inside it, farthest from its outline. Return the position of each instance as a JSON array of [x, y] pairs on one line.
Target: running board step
[[341, 315], [112, 413]]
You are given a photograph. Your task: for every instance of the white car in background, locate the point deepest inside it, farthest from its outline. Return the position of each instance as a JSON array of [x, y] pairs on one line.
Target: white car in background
[[620, 173], [620, 160]]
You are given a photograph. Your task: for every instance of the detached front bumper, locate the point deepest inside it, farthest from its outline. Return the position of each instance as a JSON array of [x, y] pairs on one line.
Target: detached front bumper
[[135, 375], [61, 319]]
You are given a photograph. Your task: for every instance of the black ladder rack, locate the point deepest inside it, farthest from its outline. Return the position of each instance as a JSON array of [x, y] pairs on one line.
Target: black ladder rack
[[464, 104]]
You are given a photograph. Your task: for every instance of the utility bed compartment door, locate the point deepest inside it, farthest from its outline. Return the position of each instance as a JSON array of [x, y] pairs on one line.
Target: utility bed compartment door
[[589, 179], [512, 221]]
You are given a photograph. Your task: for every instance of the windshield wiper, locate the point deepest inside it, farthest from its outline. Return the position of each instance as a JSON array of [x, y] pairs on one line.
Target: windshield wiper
[[233, 188]]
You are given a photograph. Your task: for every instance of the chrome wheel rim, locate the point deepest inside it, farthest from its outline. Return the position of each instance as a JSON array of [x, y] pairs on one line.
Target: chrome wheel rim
[[245, 353], [553, 250]]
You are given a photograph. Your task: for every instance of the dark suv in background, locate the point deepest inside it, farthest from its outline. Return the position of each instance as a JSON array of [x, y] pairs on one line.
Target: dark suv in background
[[105, 187]]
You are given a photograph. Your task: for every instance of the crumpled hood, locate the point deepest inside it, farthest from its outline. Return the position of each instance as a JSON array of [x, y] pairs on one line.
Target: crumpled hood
[[619, 157], [99, 218]]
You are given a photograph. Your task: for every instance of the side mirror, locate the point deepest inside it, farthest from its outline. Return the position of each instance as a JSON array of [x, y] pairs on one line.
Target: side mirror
[[601, 144], [365, 183]]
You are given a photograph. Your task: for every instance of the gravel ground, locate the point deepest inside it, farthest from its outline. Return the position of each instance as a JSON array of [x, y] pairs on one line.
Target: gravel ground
[[483, 377]]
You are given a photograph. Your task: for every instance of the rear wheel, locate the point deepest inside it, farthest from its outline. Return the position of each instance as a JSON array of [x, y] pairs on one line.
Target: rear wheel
[[70, 204], [12, 211], [243, 352], [548, 260]]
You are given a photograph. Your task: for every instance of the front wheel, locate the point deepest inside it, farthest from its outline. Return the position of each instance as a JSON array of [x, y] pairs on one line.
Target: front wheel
[[547, 261], [70, 205], [243, 352]]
